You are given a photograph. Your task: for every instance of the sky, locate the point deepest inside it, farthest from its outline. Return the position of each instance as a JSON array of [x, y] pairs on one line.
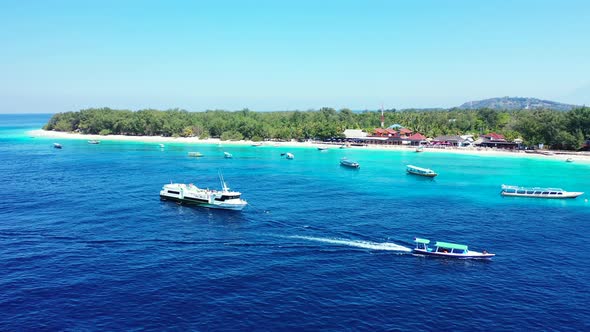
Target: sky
[[58, 56]]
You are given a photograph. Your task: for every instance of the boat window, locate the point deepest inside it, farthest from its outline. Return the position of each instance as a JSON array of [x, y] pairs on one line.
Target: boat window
[[520, 192], [545, 193], [529, 192], [552, 193], [445, 250], [560, 193], [173, 192], [537, 193], [458, 251]]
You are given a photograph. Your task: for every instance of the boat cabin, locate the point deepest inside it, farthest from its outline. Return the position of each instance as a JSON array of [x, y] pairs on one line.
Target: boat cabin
[[422, 244], [451, 248]]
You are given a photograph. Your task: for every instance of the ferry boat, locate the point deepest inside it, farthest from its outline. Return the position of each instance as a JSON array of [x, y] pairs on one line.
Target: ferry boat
[[57, 145], [448, 250], [290, 156], [349, 163], [227, 155], [195, 154], [411, 169], [537, 192], [216, 199]]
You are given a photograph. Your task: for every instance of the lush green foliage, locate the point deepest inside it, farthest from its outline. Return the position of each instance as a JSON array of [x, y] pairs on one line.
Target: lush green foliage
[[560, 130]]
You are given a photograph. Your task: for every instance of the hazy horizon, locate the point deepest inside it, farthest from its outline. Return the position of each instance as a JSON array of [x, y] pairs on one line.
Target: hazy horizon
[[300, 55]]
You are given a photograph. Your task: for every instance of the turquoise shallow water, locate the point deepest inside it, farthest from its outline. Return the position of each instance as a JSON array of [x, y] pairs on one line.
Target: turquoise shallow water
[[87, 244]]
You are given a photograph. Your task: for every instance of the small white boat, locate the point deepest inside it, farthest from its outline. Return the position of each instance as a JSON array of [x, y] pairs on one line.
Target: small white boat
[[161, 146], [322, 148], [190, 194], [349, 163], [448, 250], [57, 145], [257, 144], [289, 155], [411, 169], [93, 141], [569, 160], [195, 154], [537, 192], [420, 149], [227, 155]]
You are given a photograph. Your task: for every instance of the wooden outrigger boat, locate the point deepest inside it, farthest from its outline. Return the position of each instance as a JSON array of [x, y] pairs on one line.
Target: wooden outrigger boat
[[448, 250]]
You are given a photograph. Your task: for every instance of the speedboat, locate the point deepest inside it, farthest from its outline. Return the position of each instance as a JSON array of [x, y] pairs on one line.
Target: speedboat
[[57, 145], [227, 155], [289, 155], [349, 163], [448, 250], [216, 199], [195, 154], [411, 169], [537, 192], [93, 141]]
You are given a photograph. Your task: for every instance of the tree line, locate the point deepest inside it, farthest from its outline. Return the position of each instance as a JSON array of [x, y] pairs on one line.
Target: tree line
[[557, 129]]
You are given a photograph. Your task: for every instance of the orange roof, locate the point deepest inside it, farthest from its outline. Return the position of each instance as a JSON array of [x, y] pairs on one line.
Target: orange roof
[[417, 137], [405, 131]]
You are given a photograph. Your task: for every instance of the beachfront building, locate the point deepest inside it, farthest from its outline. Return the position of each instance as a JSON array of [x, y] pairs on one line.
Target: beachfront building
[[354, 133], [397, 136], [453, 140], [493, 140]]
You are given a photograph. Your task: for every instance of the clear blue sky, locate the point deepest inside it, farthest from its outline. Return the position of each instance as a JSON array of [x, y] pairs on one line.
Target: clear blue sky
[[281, 55]]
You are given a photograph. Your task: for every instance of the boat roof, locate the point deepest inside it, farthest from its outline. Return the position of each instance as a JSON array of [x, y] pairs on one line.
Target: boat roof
[[419, 240], [531, 188], [420, 168], [451, 245]]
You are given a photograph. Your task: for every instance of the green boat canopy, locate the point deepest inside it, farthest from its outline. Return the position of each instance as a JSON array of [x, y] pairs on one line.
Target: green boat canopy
[[451, 245], [419, 240]]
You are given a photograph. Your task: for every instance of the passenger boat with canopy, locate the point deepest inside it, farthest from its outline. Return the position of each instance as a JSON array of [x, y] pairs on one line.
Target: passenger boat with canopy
[[537, 192], [411, 169], [448, 250], [191, 194]]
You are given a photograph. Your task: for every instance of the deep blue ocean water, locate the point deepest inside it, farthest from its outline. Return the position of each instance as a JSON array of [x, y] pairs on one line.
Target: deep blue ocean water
[[86, 244]]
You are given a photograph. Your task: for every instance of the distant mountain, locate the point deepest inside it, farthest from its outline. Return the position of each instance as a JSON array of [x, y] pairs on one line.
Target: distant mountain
[[516, 103]]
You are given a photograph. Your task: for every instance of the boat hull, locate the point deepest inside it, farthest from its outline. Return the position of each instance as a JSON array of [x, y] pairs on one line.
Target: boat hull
[[221, 206], [564, 196], [468, 255], [425, 175]]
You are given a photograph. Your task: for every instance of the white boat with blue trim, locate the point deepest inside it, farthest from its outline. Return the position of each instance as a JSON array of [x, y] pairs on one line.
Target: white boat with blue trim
[[411, 169], [538, 192], [216, 199], [448, 250]]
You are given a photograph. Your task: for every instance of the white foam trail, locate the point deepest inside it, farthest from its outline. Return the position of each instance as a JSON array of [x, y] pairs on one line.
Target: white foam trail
[[358, 244]]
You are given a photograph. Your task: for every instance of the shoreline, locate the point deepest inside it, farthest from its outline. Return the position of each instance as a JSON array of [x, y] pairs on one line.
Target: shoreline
[[484, 152]]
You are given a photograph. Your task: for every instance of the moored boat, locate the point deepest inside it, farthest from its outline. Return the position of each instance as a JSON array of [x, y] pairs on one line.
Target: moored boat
[[57, 145], [448, 250], [195, 154], [569, 160], [420, 149], [349, 163], [190, 194], [538, 192], [289, 155], [227, 155], [411, 169], [322, 148], [93, 141]]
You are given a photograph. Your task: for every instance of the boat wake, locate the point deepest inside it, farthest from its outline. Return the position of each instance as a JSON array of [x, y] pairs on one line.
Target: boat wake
[[358, 244]]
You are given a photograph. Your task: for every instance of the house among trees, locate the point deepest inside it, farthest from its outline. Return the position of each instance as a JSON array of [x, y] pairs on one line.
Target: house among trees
[[453, 140], [493, 140]]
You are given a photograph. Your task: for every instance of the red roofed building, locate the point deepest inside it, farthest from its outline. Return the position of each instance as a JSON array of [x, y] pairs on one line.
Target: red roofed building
[[379, 132], [416, 137], [494, 137], [405, 132]]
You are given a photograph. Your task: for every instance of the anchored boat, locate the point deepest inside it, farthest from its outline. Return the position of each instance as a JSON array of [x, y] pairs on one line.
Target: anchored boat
[[93, 141], [448, 250], [537, 192], [191, 194], [289, 155], [195, 154], [411, 169], [57, 145], [228, 155], [349, 163]]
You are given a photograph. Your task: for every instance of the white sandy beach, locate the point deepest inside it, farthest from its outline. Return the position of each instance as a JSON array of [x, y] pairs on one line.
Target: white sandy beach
[[583, 157]]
